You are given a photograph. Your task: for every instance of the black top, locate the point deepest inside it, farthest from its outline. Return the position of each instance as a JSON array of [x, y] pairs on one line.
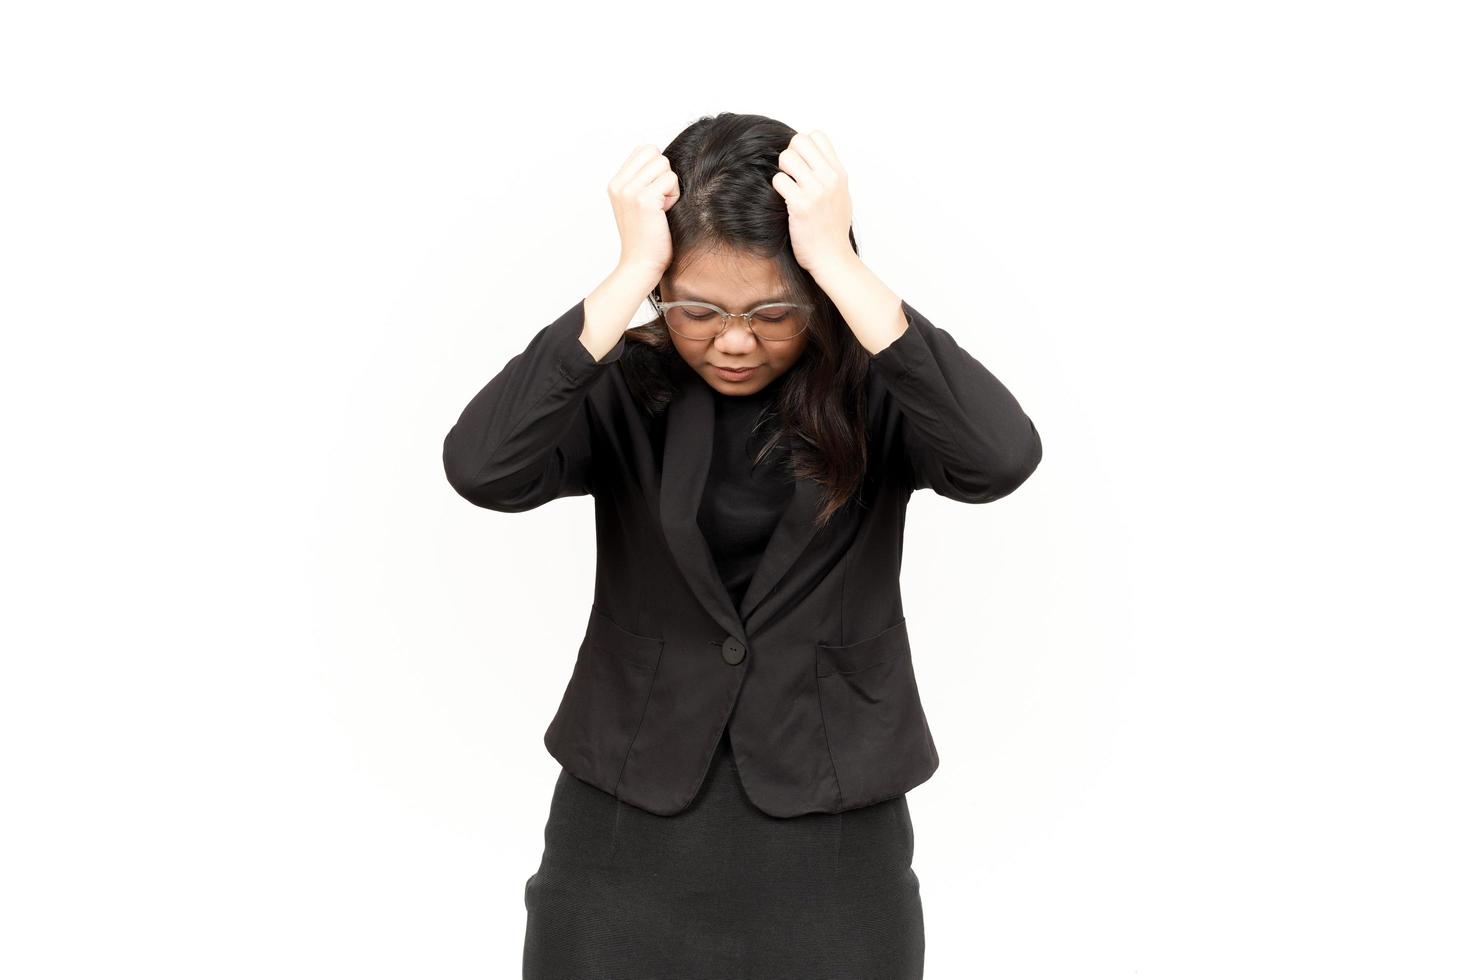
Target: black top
[[743, 502]]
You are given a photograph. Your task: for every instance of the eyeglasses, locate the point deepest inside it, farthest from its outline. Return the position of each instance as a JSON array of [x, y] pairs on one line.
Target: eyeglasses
[[705, 321]]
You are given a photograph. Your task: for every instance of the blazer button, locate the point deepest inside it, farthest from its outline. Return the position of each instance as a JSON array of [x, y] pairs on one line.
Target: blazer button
[[733, 651]]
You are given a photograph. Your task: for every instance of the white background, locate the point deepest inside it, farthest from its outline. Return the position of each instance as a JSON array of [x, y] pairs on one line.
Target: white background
[[269, 703]]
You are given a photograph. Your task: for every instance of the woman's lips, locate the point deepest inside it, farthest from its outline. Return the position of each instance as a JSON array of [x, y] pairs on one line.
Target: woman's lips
[[730, 375]]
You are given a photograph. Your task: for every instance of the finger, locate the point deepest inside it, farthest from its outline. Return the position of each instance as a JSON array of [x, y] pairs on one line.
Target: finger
[[816, 161], [650, 171], [634, 163], [784, 185], [667, 185], [792, 161], [828, 151]]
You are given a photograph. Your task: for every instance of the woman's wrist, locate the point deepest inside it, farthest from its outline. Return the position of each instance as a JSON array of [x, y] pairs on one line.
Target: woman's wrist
[[640, 277], [610, 307]]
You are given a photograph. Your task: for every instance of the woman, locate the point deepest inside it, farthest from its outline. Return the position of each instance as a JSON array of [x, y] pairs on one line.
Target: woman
[[740, 814]]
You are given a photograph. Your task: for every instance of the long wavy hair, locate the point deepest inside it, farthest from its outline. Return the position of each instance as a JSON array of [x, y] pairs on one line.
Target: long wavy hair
[[725, 164]]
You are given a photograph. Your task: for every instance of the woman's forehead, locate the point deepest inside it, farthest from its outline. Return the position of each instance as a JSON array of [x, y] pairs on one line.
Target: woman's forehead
[[729, 277]]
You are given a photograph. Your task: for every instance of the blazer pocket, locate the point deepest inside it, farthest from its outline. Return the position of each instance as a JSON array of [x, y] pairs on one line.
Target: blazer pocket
[[602, 707], [849, 658], [877, 734], [637, 649]]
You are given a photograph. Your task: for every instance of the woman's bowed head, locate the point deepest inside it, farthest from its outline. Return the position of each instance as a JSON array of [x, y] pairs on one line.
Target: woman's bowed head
[[739, 246], [740, 233]]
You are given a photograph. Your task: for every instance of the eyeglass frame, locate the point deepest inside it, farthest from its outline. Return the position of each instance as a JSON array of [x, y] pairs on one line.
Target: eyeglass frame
[[725, 316]]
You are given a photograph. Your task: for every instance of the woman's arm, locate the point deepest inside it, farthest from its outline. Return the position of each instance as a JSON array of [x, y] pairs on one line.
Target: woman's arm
[[964, 434], [526, 438]]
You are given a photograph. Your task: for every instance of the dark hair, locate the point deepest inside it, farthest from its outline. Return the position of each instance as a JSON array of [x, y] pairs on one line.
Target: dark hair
[[725, 165]]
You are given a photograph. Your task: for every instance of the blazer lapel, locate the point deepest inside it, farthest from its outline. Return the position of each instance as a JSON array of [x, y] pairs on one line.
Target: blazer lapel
[[790, 538], [688, 444]]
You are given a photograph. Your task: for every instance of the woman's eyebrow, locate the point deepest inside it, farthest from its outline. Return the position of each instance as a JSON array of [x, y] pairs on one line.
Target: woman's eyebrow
[[698, 299]]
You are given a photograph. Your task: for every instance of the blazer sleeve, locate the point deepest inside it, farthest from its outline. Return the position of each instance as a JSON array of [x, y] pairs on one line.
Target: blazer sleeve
[[964, 435], [525, 439]]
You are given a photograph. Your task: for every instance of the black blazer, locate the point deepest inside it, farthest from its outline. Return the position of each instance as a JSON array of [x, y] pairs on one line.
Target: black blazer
[[813, 672]]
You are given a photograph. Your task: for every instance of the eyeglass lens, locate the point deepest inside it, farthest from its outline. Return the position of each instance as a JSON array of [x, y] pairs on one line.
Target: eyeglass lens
[[703, 323]]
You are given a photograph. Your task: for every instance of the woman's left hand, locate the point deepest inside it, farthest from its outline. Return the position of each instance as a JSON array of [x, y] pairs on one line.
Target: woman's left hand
[[814, 186]]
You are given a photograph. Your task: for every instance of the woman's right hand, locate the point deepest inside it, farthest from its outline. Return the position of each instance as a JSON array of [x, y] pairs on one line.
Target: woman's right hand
[[641, 191]]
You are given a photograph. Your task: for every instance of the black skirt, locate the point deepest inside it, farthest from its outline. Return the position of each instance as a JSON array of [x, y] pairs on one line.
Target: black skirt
[[722, 890]]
